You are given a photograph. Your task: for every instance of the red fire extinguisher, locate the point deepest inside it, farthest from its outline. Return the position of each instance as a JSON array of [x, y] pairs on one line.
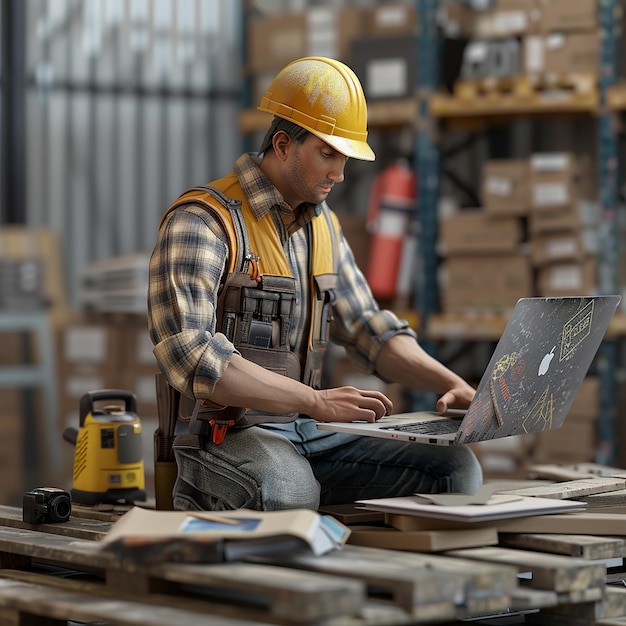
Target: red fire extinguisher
[[392, 203]]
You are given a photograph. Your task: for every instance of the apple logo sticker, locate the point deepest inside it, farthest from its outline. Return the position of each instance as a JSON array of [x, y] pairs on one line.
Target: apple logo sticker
[[545, 362]]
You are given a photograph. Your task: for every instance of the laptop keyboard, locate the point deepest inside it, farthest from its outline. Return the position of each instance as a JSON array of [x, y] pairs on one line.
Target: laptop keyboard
[[434, 427]]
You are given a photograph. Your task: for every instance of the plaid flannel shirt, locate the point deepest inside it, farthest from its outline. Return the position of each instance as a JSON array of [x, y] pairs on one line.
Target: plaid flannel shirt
[[188, 267]]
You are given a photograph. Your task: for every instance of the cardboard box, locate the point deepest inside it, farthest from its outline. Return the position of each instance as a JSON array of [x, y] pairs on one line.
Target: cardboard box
[[90, 344], [505, 18], [490, 282], [89, 358], [19, 243], [562, 54], [506, 187], [390, 19], [566, 15], [580, 215], [386, 66], [330, 30], [469, 232], [559, 179], [421, 540], [572, 52], [575, 441], [556, 247], [586, 406], [277, 39], [568, 279]]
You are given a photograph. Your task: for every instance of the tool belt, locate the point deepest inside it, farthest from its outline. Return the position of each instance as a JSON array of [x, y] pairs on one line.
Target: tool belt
[[256, 313], [256, 318]]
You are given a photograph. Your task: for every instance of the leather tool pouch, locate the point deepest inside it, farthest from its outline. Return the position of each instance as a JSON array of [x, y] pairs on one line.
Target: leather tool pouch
[[257, 318]]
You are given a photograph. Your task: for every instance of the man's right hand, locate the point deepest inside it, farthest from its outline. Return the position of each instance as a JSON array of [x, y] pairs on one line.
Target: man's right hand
[[349, 404]]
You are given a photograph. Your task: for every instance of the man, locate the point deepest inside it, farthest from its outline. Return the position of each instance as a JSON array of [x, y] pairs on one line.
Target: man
[[249, 279]]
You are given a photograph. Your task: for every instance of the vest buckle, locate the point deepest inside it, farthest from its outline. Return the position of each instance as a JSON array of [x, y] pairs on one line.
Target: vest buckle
[[219, 428]]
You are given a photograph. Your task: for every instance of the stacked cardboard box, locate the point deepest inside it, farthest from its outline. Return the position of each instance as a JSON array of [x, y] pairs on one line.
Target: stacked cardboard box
[[563, 223], [568, 41], [550, 41], [536, 234], [275, 39], [485, 267]]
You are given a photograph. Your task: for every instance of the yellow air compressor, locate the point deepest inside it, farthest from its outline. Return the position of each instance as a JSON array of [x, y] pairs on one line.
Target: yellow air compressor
[[108, 461]]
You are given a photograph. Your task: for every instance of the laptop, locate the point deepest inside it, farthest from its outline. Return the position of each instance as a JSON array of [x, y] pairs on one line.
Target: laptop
[[530, 383]]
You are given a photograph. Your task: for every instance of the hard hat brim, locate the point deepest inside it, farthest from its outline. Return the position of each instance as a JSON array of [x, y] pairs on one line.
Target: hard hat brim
[[348, 147]]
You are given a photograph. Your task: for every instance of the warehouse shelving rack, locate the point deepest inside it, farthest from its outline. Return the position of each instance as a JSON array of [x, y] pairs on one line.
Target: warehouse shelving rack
[[592, 102], [430, 111]]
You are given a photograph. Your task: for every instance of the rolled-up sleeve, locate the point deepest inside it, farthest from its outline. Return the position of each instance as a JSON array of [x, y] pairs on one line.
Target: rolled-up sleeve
[[186, 270], [358, 322]]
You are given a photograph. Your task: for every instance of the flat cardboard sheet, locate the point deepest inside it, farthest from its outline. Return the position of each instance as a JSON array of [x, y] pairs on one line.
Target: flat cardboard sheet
[[497, 507]]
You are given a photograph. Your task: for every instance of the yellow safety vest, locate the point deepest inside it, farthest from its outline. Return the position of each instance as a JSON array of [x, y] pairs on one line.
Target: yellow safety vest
[[255, 302]]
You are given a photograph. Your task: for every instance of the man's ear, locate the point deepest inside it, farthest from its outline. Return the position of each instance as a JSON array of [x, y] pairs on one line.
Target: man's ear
[[280, 143]]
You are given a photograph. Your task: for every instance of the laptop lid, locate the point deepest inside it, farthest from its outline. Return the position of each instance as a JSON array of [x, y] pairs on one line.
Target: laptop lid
[[538, 365]]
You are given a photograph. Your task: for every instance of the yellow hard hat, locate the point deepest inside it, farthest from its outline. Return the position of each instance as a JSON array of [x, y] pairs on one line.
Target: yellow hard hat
[[325, 97]]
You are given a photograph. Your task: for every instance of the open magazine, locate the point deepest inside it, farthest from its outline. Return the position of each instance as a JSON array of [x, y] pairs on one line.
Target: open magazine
[[198, 536]]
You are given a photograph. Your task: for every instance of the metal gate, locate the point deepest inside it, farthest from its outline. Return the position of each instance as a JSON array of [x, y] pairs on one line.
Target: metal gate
[[110, 109]]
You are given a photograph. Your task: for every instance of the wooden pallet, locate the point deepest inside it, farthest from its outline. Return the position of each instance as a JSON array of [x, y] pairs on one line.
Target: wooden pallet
[[525, 86], [522, 95], [385, 584], [57, 572]]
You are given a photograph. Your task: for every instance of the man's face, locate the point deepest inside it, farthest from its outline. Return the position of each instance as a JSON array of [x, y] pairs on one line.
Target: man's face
[[313, 167]]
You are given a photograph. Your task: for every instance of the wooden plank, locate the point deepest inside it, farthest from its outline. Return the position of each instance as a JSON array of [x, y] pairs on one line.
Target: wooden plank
[[224, 605], [611, 604], [575, 470], [526, 599], [602, 500], [555, 573], [20, 600], [79, 553], [422, 593], [290, 595], [572, 488], [419, 582], [603, 524], [79, 528], [586, 547]]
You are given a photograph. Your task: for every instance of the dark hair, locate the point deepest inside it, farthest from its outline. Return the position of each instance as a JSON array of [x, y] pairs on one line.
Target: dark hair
[[296, 132]]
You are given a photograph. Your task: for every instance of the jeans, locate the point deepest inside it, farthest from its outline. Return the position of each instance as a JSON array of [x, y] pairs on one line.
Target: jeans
[[261, 469]]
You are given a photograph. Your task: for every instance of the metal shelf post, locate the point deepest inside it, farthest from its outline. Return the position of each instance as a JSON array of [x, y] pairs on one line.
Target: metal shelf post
[[608, 255], [427, 162]]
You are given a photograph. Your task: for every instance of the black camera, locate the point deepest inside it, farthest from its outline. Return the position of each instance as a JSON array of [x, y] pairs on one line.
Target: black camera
[[46, 505]]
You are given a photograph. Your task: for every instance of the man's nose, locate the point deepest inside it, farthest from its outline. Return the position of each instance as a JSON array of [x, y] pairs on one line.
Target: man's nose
[[336, 173]]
